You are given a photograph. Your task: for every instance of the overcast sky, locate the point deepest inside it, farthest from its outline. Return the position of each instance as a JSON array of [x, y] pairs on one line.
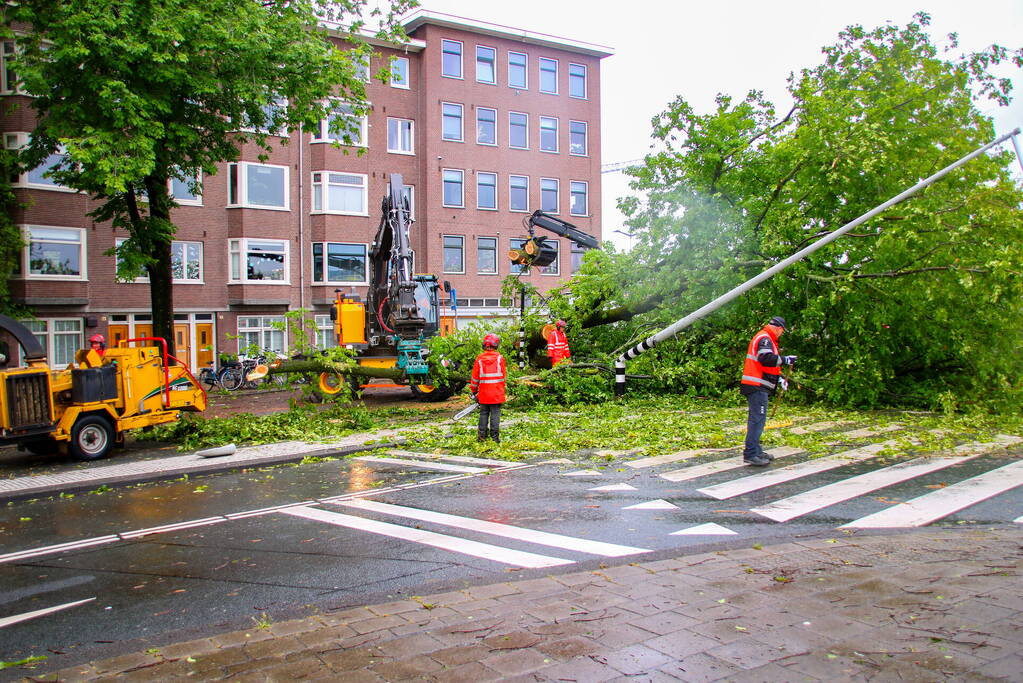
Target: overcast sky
[[666, 48]]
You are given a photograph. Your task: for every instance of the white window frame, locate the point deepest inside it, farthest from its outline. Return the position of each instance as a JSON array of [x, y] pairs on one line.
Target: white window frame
[[411, 151], [362, 67], [586, 81], [444, 182], [48, 337], [461, 58], [575, 249], [571, 197], [326, 337], [15, 140], [323, 134], [411, 201], [554, 268], [26, 253], [193, 201], [406, 85], [324, 280], [526, 128], [240, 247], [493, 64], [461, 121], [540, 61], [142, 279], [496, 137], [511, 204], [515, 268], [443, 249], [586, 138], [557, 146], [497, 267], [525, 70], [264, 326], [8, 50], [479, 175], [242, 195], [557, 194], [278, 103], [320, 180]]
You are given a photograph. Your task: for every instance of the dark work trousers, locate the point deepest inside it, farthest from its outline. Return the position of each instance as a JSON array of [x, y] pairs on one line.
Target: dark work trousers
[[490, 412], [756, 418]]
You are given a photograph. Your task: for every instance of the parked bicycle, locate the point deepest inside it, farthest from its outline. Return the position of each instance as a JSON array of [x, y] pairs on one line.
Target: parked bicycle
[[235, 374]]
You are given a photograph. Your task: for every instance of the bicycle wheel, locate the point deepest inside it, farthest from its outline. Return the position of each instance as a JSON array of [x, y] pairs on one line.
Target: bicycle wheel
[[231, 378]]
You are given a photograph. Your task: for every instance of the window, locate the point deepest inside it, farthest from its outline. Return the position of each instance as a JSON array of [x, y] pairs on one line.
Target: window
[[518, 193], [555, 266], [451, 115], [8, 79], [265, 332], [549, 195], [271, 120], [399, 136], [451, 58], [339, 263], [257, 186], [409, 192], [454, 256], [399, 72], [486, 126], [549, 75], [517, 70], [486, 255], [577, 254], [486, 60], [262, 261], [548, 134], [361, 67], [326, 337], [486, 190], [37, 177], [343, 126], [516, 243], [60, 338], [577, 81], [518, 130], [181, 190], [343, 193], [453, 195], [577, 134], [55, 252], [186, 263], [579, 201]]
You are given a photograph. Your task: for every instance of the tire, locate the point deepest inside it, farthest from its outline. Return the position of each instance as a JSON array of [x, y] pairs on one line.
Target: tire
[[92, 437], [231, 379], [431, 393]]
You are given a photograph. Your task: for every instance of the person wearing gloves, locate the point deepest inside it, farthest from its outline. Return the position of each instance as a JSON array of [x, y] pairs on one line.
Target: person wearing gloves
[[487, 386], [761, 375]]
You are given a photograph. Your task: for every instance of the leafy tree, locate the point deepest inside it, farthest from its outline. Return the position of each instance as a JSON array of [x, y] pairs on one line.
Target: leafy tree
[[10, 236], [137, 93], [920, 304]]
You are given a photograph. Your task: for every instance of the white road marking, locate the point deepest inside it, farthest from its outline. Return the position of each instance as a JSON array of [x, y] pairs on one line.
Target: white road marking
[[581, 545], [655, 460], [458, 545], [761, 480], [454, 458], [59, 548], [419, 464], [931, 507], [18, 618], [696, 471], [709, 529], [581, 473], [658, 504], [613, 487], [1018, 520], [172, 527]]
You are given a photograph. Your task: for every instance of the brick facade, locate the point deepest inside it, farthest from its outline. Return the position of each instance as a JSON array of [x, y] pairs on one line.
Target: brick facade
[[213, 302]]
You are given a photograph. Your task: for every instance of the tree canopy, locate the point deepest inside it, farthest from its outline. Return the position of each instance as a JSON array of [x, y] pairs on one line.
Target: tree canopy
[[137, 93], [919, 306]]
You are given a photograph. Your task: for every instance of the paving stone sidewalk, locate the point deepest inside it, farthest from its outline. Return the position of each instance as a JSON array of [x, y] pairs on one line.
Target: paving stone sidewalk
[[930, 605]]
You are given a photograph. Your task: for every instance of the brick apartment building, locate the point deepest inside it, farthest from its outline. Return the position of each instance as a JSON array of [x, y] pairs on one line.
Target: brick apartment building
[[485, 124]]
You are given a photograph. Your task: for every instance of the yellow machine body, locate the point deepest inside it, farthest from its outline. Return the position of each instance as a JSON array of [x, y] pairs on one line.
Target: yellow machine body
[[350, 325]]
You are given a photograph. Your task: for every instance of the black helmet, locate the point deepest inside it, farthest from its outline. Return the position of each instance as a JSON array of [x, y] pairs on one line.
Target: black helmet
[[779, 321]]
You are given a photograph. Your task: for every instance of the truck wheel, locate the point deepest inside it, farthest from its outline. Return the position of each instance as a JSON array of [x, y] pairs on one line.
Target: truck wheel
[[92, 437], [431, 393]]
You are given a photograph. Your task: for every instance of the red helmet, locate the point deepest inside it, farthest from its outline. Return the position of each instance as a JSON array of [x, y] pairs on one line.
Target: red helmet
[[491, 341], [561, 323], [97, 339]]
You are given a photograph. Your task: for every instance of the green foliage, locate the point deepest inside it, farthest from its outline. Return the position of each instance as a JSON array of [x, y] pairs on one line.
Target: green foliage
[[915, 306]]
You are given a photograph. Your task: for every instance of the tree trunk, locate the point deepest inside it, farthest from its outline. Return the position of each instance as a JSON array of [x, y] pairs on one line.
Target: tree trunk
[[314, 366], [161, 294]]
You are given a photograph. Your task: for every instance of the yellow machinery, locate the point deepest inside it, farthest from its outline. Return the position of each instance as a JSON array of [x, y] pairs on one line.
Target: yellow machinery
[[86, 408]]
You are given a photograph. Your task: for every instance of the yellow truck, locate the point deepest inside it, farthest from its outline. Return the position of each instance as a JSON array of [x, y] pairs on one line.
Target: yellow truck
[[86, 408]]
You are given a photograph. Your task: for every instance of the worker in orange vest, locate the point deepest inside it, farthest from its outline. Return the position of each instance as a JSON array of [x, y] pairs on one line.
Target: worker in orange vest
[[557, 344], [761, 377], [487, 386]]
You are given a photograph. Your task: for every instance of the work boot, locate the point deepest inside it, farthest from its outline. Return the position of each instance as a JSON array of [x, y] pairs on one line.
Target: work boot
[[481, 435], [757, 461], [496, 435], [767, 455]]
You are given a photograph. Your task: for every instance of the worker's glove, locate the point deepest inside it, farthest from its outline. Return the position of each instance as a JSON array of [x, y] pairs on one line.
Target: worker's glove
[[783, 384], [788, 360]]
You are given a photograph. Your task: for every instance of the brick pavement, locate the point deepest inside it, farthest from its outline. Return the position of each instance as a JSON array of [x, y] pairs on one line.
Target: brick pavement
[[927, 605]]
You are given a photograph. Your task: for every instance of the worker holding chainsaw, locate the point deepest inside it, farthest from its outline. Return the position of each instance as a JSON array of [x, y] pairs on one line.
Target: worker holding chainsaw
[[557, 344], [761, 378], [487, 386]]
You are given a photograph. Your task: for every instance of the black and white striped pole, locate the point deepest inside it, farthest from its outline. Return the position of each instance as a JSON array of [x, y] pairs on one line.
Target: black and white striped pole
[[522, 329], [717, 303]]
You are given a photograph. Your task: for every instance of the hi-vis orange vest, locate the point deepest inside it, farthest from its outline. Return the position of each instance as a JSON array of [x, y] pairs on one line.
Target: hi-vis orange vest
[[557, 346], [488, 375], [756, 374]]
